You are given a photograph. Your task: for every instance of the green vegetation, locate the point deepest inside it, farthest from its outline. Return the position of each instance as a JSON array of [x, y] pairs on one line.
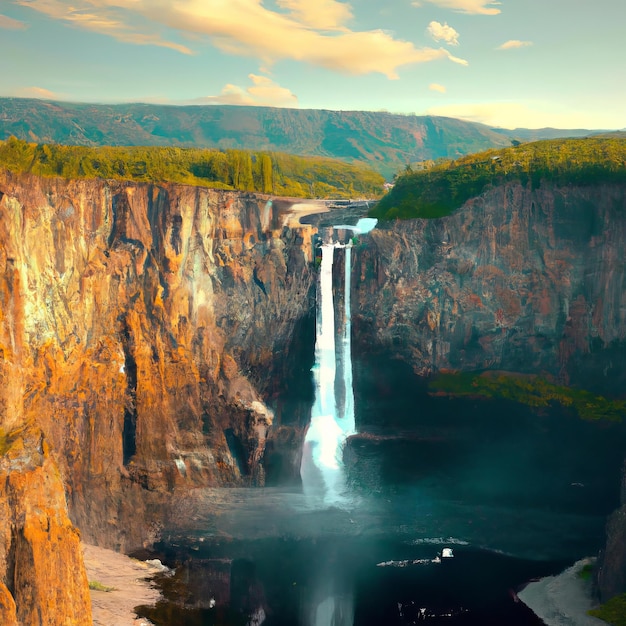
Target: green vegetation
[[266, 172], [11, 438], [441, 189], [529, 390], [4, 442], [613, 612], [586, 571], [94, 585]]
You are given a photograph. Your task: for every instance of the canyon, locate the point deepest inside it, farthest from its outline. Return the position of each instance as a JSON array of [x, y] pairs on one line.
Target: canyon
[[148, 331]]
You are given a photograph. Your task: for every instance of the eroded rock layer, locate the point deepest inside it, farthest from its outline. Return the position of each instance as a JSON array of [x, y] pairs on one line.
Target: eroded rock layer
[[137, 323]]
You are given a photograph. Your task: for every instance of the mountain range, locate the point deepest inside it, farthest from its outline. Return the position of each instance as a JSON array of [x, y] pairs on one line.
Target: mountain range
[[385, 141]]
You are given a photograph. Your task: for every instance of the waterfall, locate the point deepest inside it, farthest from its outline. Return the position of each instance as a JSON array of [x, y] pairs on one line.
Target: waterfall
[[320, 470], [332, 415], [266, 215], [348, 407], [332, 422]]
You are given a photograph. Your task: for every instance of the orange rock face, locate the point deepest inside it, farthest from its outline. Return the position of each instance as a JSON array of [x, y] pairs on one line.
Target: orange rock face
[[137, 326], [42, 577], [8, 615]]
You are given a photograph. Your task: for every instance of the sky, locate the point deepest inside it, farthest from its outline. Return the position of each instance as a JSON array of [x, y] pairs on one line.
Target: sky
[[508, 63]]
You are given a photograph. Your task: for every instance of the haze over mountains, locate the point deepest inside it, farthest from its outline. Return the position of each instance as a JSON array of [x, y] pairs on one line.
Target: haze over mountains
[[385, 141]]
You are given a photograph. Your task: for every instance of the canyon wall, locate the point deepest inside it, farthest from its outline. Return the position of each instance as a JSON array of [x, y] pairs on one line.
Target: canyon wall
[[519, 279], [137, 325]]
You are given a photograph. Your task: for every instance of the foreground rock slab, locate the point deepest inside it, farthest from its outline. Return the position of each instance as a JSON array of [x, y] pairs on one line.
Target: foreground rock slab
[[42, 578], [562, 600], [129, 587]]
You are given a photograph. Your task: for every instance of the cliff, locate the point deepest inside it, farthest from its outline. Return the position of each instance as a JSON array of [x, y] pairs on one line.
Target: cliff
[[610, 578], [518, 279], [42, 577], [523, 280], [137, 325]]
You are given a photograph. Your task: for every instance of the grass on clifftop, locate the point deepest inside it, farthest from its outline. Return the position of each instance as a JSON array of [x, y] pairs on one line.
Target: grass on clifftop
[[266, 172], [445, 187], [529, 390]]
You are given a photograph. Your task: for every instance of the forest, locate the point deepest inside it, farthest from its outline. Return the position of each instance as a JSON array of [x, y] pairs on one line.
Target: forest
[[266, 172], [439, 188]]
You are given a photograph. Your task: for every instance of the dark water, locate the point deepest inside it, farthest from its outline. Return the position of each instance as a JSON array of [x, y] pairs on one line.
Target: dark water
[[338, 581], [514, 493]]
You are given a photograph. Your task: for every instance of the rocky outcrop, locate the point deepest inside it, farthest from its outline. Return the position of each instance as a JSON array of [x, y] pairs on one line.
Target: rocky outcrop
[[138, 324], [42, 576], [518, 279], [610, 578]]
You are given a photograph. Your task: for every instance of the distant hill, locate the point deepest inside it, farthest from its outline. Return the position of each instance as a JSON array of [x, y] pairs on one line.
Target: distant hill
[[536, 134], [384, 141], [609, 134]]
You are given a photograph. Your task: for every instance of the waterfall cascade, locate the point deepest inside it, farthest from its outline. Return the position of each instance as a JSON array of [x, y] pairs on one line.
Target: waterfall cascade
[[332, 415]]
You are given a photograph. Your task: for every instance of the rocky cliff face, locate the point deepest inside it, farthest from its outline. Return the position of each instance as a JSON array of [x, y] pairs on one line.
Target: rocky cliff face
[[137, 323], [42, 577], [519, 279], [611, 572]]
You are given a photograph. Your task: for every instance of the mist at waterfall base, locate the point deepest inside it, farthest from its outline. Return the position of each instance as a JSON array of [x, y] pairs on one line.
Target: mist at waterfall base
[[390, 477]]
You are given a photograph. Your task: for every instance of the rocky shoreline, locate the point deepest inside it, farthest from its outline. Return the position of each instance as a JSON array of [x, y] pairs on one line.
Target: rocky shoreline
[[122, 584], [562, 600]]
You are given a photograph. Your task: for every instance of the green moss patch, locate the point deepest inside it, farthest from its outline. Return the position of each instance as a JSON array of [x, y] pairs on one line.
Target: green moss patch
[[586, 571], [613, 612], [4, 442], [94, 585], [530, 390]]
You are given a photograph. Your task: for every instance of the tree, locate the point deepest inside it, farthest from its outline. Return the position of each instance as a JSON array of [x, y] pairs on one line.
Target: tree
[[266, 174]]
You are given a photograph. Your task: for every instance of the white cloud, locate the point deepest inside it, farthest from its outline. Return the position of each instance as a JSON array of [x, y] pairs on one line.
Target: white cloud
[[457, 60], [481, 7], [311, 32], [516, 115], [443, 32], [98, 16], [263, 92], [10, 24], [514, 43], [437, 87], [37, 92], [319, 14]]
